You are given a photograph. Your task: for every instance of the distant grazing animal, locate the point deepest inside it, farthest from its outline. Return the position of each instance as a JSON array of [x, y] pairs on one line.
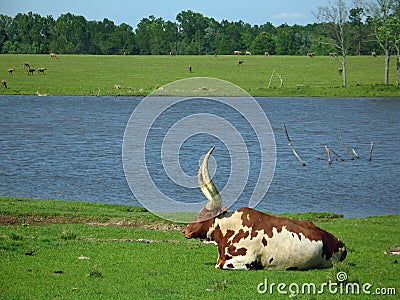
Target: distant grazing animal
[[10, 71], [41, 70], [190, 69], [373, 54], [31, 70], [266, 53], [310, 54], [53, 55], [118, 87], [171, 53], [340, 70], [4, 84], [25, 64], [248, 53], [333, 54], [125, 53], [248, 239], [237, 52], [240, 62]]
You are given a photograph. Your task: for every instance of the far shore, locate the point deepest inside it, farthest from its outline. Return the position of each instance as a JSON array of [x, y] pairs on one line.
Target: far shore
[[138, 75]]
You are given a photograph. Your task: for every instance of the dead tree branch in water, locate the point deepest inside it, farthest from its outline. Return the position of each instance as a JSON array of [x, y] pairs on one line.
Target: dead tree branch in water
[[337, 155], [291, 146], [352, 154], [328, 151], [371, 148]]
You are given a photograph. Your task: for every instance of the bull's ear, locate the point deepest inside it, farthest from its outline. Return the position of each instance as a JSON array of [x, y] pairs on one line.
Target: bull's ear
[[207, 214], [207, 186]]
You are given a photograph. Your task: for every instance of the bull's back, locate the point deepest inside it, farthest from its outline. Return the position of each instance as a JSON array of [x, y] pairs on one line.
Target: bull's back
[[284, 243]]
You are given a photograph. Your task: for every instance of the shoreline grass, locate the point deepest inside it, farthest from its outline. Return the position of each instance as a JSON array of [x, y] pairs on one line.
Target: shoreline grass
[[106, 260], [91, 75]]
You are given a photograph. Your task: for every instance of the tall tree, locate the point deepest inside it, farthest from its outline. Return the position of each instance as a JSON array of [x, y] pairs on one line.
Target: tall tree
[[264, 42], [71, 35], [150, 36], [171, 36], [192, 29], [5, 23], [335, 16], [385, 19], [356, 17]]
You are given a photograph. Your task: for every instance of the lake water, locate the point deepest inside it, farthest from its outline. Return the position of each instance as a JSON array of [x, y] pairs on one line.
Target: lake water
[[70, 148]]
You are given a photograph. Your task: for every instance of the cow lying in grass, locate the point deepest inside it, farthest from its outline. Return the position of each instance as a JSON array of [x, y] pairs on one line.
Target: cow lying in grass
[[248, 239]]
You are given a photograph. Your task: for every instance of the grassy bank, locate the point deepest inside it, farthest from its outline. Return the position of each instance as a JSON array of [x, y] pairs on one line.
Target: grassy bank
[[140, 75], [73, 250]]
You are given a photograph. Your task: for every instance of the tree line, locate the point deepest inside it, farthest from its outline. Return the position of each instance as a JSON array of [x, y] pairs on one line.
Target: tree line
[[192, 33]]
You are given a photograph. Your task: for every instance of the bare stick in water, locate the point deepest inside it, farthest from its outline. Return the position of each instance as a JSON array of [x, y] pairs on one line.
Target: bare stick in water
[[328, 151], [337, 155], [291, 146], [371, 148], [344, 146]]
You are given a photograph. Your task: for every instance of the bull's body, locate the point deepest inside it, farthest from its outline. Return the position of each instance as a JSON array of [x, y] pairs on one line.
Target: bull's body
[[248, 239]]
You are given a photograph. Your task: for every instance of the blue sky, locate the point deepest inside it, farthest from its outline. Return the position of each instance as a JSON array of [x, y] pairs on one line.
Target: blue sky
[[131, 12]]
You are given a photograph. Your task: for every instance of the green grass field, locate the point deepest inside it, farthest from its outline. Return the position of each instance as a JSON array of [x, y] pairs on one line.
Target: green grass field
[[140, 75], [72, 250]]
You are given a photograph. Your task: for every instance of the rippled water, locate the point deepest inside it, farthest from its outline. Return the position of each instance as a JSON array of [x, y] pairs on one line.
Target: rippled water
[[70, 148]]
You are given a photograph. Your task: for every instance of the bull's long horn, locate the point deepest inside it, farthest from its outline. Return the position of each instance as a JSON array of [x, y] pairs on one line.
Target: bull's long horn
[[207, 186]]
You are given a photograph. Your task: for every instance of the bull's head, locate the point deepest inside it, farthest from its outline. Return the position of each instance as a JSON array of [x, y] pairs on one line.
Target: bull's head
[[200, 225]]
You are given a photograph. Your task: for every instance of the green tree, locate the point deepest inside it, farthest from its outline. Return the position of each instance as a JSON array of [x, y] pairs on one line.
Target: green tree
[[264, 42], [5, 23], [385, 18], [123, 39], [71, 35], [150, 36], [192, 29], [231, 37], [284, 40], [171, 36], [356, 17], [28, 33]]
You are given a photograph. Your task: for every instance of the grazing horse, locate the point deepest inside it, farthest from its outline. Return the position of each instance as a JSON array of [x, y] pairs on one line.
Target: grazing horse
[[4, 84], [240, 62], [41, 70], [31, 70]]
